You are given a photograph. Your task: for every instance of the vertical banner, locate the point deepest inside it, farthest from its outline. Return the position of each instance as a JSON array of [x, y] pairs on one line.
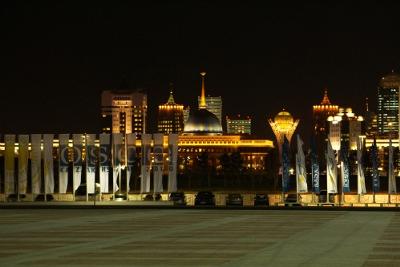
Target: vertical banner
[[391, 175], [375, 172], [145, 163], [285, 165], [361, 188], [158, 162], [314, 167], [9, 181], [301, 173], [91, 159], [173, 162], [23, 154], [48, 163], [131, 157], [36, 158], [331, 170], [104, 161], [77, 162], [345, 168], [116, 159], [63, 163]]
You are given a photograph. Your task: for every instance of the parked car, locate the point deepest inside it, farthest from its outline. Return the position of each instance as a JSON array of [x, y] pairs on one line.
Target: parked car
[[204, 198], [261, 200], [178, 198], [234, 200], [322, 197], [150, 197]]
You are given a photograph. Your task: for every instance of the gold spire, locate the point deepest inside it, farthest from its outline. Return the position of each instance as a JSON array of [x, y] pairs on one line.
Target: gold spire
[[325, 100], [203, 103], [171, 99]]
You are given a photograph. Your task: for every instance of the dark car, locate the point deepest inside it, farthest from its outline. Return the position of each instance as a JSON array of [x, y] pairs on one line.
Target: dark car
[[204, 198], [291, 199], [150, 197], [261, 200], [178, 198], [322, 197], [234, 200]]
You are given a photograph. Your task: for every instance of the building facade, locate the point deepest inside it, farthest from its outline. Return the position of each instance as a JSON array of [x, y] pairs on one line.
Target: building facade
[[123, 111], [238, 125], [388, 105], [170, 116]]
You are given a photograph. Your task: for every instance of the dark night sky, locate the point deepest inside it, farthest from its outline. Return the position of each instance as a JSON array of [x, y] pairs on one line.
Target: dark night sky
[[260, 57]]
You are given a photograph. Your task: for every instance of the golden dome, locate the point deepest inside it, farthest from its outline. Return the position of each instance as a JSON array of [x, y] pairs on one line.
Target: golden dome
[[283, 117]]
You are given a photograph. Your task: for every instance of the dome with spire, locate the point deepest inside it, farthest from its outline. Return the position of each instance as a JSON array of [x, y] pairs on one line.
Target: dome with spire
[[202, 121]]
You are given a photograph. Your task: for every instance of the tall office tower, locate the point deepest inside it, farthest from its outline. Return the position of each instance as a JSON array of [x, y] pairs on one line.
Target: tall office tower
[[238, 125], [186, 112], [170, 116], [388, 105], [371, 121], [213, 103], [320, 114], [123, 111], [283, 125]]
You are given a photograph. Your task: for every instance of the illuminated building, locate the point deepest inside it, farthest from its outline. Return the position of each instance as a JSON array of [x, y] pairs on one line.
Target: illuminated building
[[212, 103], [283, 125], [388, 104], [320, 114], [345, 127], [170, 116], [238, 125], [186, 112], [371, 121], [123, 111]]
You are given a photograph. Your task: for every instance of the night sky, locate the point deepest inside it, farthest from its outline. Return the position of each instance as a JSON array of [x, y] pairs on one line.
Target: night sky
[[57, 58]]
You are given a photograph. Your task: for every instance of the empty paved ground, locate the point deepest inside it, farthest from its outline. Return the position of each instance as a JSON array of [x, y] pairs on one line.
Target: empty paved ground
[[140, 237]]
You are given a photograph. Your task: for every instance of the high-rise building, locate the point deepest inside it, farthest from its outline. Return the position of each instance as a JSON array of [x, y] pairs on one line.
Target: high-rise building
[[170, 116], [213, 103], [238, 125], [283, 125], [320, 114], [186, 112], [388, 105], [123, 111]]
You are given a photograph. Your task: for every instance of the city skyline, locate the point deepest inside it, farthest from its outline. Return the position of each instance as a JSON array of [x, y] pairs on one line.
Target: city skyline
[[58, 72]]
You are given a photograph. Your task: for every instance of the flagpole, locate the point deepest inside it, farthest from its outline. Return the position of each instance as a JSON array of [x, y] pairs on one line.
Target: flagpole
[[126, 168]]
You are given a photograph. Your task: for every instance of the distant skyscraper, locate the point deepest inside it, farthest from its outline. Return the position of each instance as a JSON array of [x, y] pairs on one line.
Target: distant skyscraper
[[213, 104], [283, 125], [320, 114], [238, 125], [123, 111], [170, 116], [186, 112], [388, 104]]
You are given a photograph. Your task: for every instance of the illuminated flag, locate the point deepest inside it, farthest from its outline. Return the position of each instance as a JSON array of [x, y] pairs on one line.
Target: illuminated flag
[[48, 163], [36, 169], [116, 156], [9, 186], [331, 170], [145, 164], [104, 164], [77, 163], [361, 189], [91, 159], [285, 165], [131, 157], [158, 162], [314, 167], [23, 143], [391, 175], [172, 163], [301, 173], [375, 172], [63, 163], [345, 168]]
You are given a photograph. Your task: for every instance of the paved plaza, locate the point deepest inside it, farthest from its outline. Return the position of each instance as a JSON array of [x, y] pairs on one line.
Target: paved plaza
[[198, 237]]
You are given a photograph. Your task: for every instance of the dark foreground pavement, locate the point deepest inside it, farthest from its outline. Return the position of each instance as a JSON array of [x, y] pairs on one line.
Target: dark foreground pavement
[[198, 237]]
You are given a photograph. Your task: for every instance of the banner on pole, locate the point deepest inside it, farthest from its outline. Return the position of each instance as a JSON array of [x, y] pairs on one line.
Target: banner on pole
[[345, 168], [391, 175], [301, 173], [145, 163], [48, 163], [331, 170], [314, 167], [77, 162], [23, 155], [361, 188], [91, 159], [375, 171], [9, 161], [158, 162], [116, 156], [36, 158], [285, 165], [131, 157], [104, 161], [173, 162], [63, 163]]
